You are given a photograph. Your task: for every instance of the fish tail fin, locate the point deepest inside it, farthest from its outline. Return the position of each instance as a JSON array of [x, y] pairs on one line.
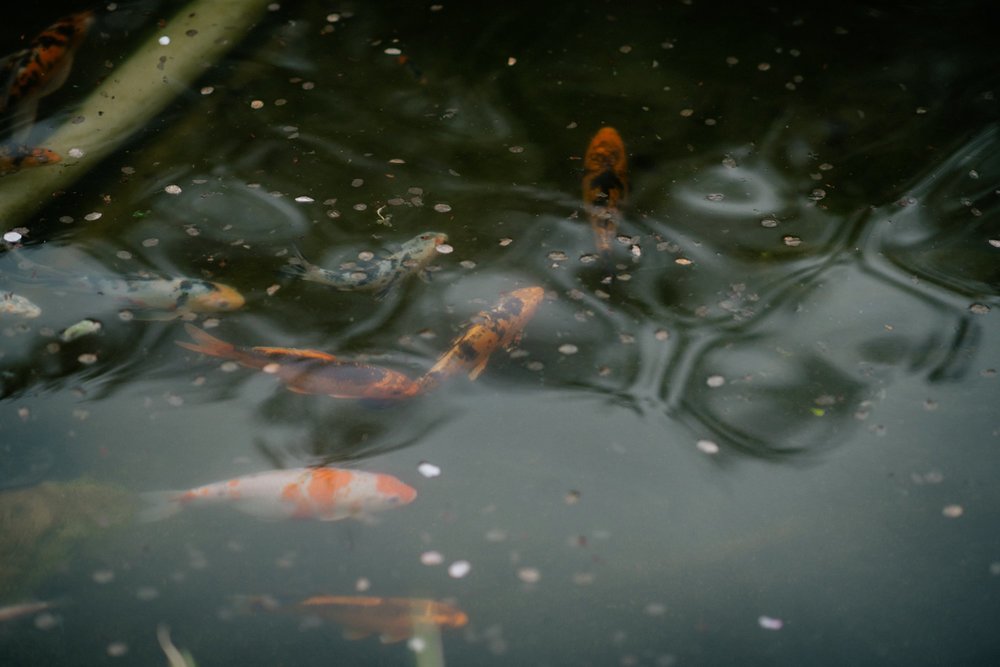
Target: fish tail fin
[[300, 268], [208, 344], [159, 505]]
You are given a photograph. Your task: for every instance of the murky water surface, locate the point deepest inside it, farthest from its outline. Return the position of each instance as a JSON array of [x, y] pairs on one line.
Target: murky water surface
[[766, 433]]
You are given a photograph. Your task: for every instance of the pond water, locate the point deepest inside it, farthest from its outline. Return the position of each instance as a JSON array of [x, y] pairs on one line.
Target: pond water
[[767, 433]]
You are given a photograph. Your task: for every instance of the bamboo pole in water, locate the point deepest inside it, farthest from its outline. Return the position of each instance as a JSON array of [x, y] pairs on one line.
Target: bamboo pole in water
[[159, 70]]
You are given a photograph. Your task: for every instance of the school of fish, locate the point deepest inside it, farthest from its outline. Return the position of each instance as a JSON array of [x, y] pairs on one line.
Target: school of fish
[[322, 493]]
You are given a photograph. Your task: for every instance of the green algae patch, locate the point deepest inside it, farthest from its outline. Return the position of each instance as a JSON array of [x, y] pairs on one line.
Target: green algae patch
[[42, 526]]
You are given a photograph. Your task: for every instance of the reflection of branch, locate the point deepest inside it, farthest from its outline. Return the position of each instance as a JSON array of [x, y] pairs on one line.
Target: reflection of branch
[[430, 653], [131, 96]]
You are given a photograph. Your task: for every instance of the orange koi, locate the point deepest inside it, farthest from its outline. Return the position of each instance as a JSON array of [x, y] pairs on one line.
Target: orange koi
[[326, 494], [309, 371], [605, 185], [14, 158], [393, 619], [34, 72], [500, 326]]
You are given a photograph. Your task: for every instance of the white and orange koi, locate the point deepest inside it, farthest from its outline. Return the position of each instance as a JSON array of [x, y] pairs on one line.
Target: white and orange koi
[[326, 494], [171, 296], [500, 326], [18, 306], [42, 68], [605, 185]]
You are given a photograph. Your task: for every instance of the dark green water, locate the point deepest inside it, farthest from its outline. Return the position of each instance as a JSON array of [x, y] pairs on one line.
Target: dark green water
[[783, 425]]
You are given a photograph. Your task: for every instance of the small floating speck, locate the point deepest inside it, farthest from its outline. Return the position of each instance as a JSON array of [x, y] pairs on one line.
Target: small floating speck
[[459, 569], [817, 194], [589, 258], [707, 447], [146, 593], [75, 152], [732, 60], [504, 242], [392, 51], [207, 90], [229, 366], [46, 621], [792, 241], [362, 584], [416, 644], [173, 189], [511, 61], [444, 248], [979, 308], [529, 575], [655, 609], [572, 497], [920, 110], [715, 196], [428, 470], [763, 67], [687, 113], [769, 223], [715, 381], [683, 261], [103, 576], [90, 217], [953, 511], [360, 207], [366, 255], [568, 348], [257, 104], [557, 256], [442, 208], [150, 243], [12, 237], [123, 254], [117, 649], [467, 264], [163, 40], [304, 200], [769, 623], [431, 558], [87, 359], [661, 334], [516, 149]]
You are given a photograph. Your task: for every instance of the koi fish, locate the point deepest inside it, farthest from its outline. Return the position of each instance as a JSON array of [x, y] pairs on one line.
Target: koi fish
[[500, 326], [309, 371], [32, 73], [14, 304], [605, 185], [393, 619], [374, 276], [15, 158], [15, 611], [326, 494], [176, 296]]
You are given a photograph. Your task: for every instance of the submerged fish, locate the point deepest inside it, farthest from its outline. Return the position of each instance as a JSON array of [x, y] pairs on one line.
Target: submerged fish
[[377, 275], [14, 158], [15, 611], [309, 371], [19, 306], [175, 296], [327, 494], [500, 326], [393, 619], [40, 69], [605, 185]]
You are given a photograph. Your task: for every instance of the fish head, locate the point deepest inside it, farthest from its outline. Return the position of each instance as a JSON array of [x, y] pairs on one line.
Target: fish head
[[391, 492], [422, 248], [449, 616], [209, 297]]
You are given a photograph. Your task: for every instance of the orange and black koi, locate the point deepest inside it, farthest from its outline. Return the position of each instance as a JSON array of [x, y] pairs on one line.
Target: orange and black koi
[[500, 326], [605, 185], [14, 158], [309, 371], [40, 69]]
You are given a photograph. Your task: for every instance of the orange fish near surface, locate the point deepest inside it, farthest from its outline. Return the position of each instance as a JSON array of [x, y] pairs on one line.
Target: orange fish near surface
[[327, 494], [605, 185], [309, 371], [500, 326], [393, 619], [14, 158], [40, 69]]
